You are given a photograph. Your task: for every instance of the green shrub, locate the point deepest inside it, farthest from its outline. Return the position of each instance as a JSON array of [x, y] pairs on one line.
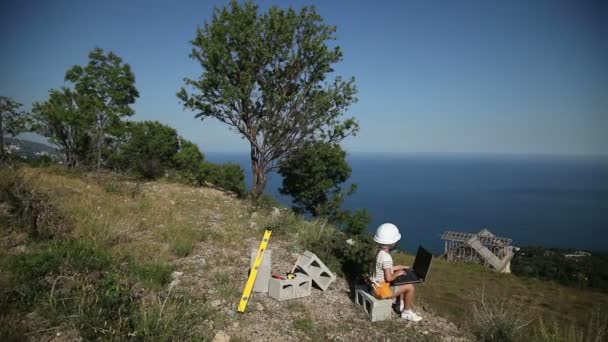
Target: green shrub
[[153, 275], [497, 321], [28, 271], [267, 202], [351, 256], [229, 177]]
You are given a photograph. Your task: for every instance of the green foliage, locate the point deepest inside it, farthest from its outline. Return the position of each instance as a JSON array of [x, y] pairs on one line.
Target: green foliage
[[182, 239], [303, 324], [149, 148], [66, 120], [12, 120], [267, 202], [349, 255], [312, 176], [109, 86], [59, 258], [551, 264], [153, 274], [173, 318], [228, 176], [354, 223], [497, 321], [226, 289], [265, 76], [188, 162]]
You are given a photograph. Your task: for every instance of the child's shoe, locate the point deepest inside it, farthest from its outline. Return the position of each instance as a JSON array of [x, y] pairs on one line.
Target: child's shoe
[[411, 316]]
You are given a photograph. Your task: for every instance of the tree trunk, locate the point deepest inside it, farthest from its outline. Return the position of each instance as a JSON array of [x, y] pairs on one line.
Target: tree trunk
[[258, 169]]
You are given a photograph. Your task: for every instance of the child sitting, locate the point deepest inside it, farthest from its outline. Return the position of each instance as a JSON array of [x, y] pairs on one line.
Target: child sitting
[[387, 236]]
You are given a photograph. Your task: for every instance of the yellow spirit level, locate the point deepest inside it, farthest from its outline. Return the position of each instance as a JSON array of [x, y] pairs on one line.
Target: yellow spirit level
[[254, 271]]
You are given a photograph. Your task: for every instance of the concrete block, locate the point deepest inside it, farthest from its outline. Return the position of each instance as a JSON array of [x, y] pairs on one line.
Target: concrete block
[[310, 264], [375, 309], [284, 289], [261, 282]]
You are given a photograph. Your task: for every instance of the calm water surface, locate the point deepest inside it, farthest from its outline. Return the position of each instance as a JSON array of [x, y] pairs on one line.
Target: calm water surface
[[535, 200]]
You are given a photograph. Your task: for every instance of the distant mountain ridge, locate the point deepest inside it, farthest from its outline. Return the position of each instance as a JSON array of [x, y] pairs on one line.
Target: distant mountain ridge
[[30, 149]]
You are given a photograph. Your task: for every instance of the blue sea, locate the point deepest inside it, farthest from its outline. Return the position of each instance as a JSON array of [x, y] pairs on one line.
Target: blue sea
[[553, 201]]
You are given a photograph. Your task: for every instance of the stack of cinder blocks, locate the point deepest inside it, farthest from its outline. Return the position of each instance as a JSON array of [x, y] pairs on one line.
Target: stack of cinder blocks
[[311, 265], [309, 269], [376, 309]]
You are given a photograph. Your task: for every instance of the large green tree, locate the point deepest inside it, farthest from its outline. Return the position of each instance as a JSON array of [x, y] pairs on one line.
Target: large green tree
[[13, 121], [109, 84], [266, 76], [149, 148], [65, 119]]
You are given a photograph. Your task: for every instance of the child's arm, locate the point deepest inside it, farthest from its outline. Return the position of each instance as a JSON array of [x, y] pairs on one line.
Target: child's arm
[[390, 276]]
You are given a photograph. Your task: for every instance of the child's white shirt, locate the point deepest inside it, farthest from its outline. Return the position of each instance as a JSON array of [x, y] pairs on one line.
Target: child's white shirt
[[383, 261]]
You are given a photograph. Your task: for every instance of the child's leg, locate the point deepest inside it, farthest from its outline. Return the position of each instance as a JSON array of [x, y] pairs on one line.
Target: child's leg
[[406, 293]]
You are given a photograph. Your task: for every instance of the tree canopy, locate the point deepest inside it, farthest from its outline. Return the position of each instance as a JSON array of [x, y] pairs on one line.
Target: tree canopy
[[65, 120], [312, 176], [13, 121], [265, 75], [150, 148], [109, 85]]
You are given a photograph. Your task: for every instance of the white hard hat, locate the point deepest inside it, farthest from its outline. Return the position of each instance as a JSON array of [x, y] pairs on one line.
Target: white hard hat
[[387, 234]]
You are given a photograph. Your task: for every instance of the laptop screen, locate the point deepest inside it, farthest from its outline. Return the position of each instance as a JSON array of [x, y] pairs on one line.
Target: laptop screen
[[422, 262]]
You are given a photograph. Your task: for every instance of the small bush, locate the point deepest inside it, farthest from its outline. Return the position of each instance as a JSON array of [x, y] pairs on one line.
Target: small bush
[[153, 275], [497, 321], [229, 177]]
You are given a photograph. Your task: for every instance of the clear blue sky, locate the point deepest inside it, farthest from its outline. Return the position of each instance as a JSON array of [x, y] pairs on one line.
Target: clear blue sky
[[433, 76]]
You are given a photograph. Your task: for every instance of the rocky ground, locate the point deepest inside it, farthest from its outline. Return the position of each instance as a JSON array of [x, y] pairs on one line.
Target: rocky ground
[[328, 315]]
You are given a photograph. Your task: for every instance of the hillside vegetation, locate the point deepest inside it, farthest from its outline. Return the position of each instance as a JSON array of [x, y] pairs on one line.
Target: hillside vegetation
[[101, 256]]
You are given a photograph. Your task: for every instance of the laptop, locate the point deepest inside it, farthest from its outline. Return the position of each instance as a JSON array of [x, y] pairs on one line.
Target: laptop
[[420, 270]]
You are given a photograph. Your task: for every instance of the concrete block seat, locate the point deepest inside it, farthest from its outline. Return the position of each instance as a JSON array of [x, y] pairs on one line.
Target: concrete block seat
[[375, 309]]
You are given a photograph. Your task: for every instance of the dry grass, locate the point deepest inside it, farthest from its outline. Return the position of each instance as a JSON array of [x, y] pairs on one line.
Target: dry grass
[[163, 221]]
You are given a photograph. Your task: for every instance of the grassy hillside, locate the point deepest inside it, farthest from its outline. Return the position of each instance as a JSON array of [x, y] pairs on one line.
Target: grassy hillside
[[103, 256], [453, 288]]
